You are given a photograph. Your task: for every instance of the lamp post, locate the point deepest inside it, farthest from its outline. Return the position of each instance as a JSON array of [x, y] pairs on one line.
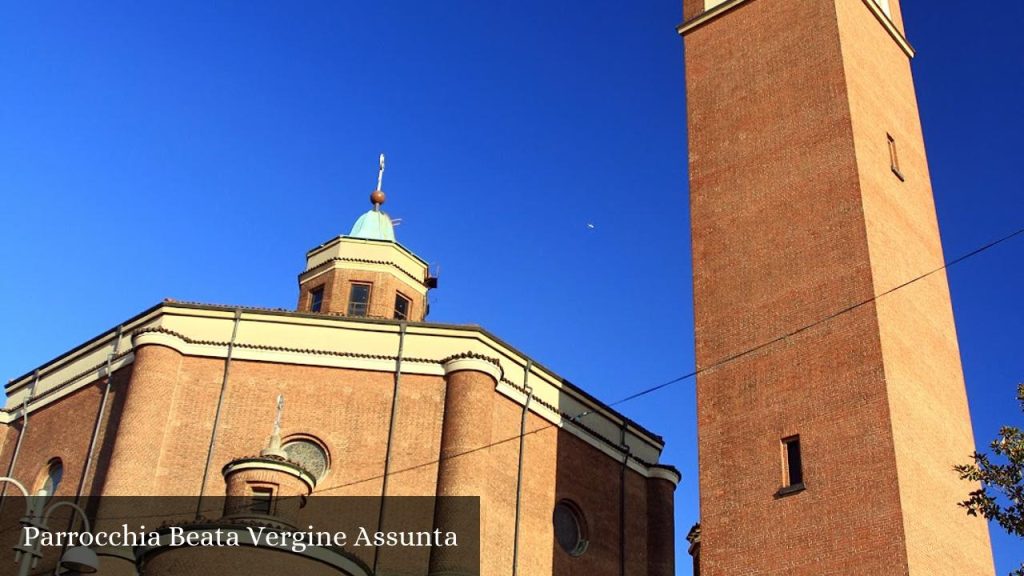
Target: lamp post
[[80, 559]]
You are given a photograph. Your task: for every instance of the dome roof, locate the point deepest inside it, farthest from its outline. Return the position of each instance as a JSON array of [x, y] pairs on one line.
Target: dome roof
[[374, 225]]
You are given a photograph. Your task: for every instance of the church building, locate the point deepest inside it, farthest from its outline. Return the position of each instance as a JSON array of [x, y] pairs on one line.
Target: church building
[[831, 403], [370, 400]]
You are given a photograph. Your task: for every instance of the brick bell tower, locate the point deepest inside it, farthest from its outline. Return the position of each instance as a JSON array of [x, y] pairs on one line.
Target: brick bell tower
[[829, 448], [366, 273]]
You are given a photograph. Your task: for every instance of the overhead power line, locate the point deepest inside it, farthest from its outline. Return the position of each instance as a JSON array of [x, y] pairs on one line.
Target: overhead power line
[[806, 327], [697, 371]]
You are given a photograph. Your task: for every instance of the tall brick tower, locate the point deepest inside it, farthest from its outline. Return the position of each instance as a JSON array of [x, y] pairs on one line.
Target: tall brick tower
[[828, 451]]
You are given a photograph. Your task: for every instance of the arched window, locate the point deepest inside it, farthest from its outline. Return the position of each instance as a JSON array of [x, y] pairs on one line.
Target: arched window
[[46, 485], [49, 479]]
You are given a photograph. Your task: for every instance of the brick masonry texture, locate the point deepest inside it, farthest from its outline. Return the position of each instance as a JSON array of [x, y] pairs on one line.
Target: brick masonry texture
[[452, 435], [337, 283], [796, 215]]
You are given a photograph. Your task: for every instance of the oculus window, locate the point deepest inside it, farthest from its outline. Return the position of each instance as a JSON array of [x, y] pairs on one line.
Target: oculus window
[[570, 528], [308, 454]]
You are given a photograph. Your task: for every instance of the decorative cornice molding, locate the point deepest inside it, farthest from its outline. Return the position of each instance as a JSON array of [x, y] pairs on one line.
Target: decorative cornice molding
[[332, 263], [60, 389], [197, 330], [709, 15], [270, 463], [563, 419], [142, 338], [886, 23], [344, 237], [471, 355], [663, 472], [475, 362]]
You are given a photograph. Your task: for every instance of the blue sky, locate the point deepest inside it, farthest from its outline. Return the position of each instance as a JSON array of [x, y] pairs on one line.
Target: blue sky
[[196, 150]]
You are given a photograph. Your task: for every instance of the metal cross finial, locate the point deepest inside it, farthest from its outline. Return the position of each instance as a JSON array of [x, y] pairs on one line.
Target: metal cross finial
[[277, 419], [380, 173]]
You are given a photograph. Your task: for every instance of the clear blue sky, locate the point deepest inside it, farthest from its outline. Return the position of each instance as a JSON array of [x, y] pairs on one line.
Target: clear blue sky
[[196, 150]]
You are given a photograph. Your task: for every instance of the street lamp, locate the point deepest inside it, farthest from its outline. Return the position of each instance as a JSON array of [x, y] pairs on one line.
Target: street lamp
[[81, 559]]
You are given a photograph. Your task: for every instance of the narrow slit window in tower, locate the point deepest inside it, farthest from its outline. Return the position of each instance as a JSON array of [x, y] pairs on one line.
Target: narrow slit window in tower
[[894, 161], [792, 463]]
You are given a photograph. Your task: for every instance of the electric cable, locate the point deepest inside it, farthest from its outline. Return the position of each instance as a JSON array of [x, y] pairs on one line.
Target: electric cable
[[713, 365]]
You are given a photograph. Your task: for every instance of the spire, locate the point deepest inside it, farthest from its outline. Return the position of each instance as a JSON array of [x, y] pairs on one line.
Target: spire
[[274, 444], [380, 173], [375, 224], [377, 196]]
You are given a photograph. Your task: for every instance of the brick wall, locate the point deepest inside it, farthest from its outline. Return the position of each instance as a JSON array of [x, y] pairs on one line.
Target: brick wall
[[788, 103], [337, 283], [452, 435]]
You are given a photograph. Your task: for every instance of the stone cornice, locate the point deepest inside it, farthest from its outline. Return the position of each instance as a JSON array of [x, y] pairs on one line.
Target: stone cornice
[[338, 342], [886, 23], [282, 465], [709, 15], [343, 237], [334, 263], [669, 473], [163, 336]]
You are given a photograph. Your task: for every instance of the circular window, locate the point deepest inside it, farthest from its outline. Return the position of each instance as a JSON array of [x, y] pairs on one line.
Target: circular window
[[309, 454], [570, 528]]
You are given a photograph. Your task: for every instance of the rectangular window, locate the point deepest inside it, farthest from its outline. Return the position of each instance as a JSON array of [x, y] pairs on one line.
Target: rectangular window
[[792, 465], [316, 299], [401, 307], [359, 299], [261, 500], [894, 161]]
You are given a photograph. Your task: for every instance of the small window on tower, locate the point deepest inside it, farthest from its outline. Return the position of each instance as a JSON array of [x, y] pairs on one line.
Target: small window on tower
[[261, 500], [894, 161], [792, 466], [316, 299], [401, 307], [359, 299]]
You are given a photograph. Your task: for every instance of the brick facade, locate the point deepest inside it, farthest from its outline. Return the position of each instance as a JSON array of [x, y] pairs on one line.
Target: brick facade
[[797, 216], [458, 417], [337, 283]]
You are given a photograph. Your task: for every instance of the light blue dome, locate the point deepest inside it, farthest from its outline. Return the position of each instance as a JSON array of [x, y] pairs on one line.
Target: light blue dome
[[374, 225]]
